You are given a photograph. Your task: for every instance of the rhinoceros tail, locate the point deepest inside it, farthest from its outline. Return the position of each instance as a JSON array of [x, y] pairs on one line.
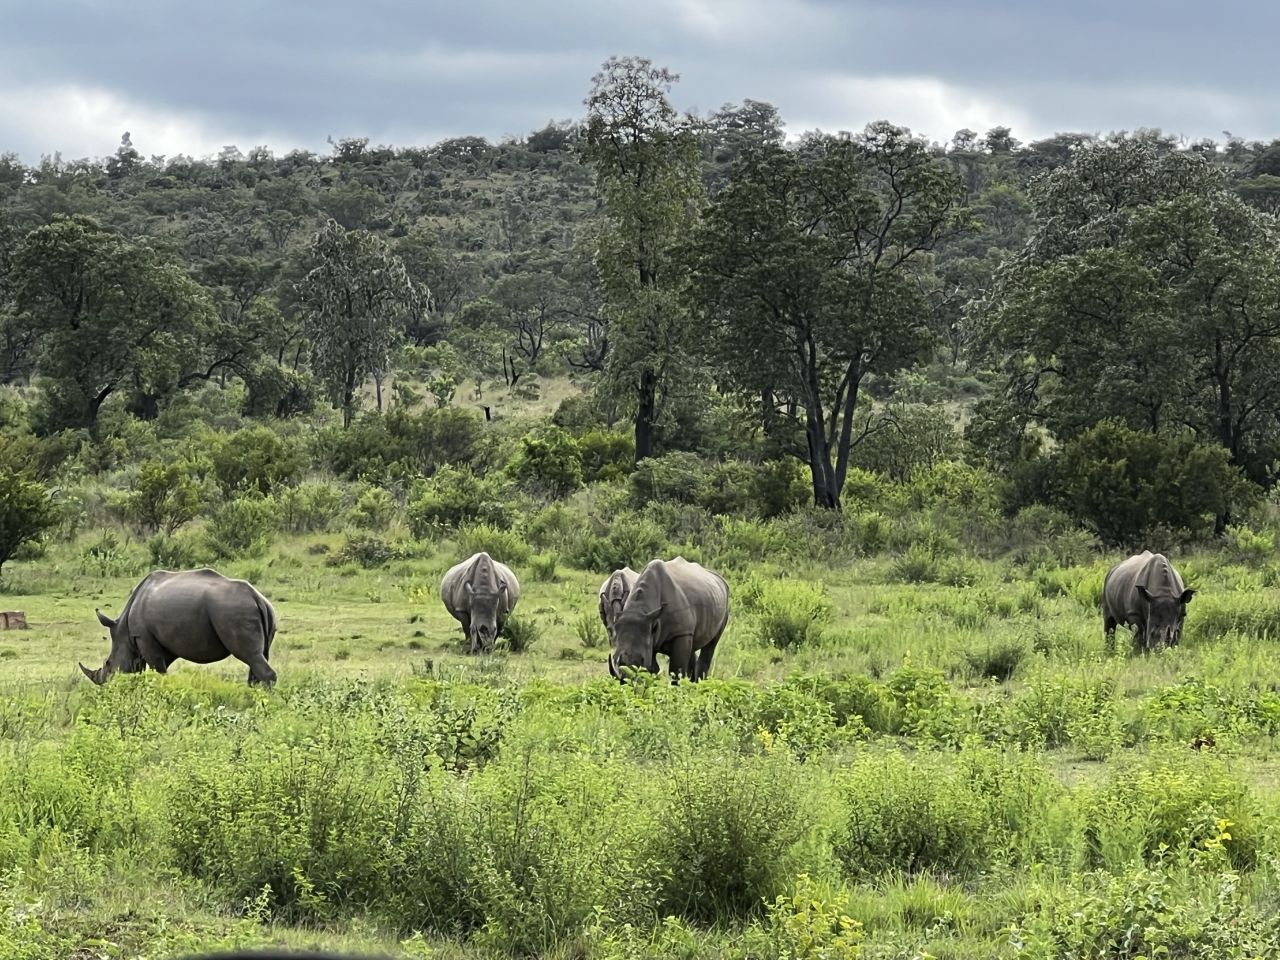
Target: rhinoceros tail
[[268, 617]]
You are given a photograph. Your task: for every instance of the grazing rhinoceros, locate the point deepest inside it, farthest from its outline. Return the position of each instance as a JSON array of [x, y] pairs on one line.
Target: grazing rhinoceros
[[613, 596], [196, 615], [676, 608], [1146, 593], [480, 594]]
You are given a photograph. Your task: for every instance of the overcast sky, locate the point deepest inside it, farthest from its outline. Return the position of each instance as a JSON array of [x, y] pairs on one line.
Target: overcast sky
[[186, 76]]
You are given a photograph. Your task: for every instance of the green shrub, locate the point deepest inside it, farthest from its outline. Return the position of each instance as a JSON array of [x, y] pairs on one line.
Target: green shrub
[[777, 487], [732, 846], [543, 568], [1124, 483], [367, 550], [374, 510], [997, 659], [917, 565], [607, 455], [520, 633], [26, 512], [631, 542], [920, 436], [553, 527], [309, 507], [453, 497], [242, 527], [164, 496], [673, 477], [402, 444], [911, 815], [505, 546], [175, 552], [790, 614], [256, 459], [548, 461], [590, 631]]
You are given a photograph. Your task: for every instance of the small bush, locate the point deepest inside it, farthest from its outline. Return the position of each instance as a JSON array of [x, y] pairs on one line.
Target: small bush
[[543, 568], [309, 507], [520, 633], [590, 631], [631, 542], [242, 527], [176, 552], [366, 549], [548, 461], [256, 459], [454, 497], [374, 510], [791, 614], [503, 545], [917, 565], [607, 456], [998, 659], [164, 496], [675, 478]]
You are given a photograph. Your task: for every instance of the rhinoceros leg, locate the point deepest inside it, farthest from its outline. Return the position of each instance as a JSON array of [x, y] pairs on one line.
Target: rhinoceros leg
[[153, 655], [680, 655], [1109, 631], [260, 671], [703, 665]]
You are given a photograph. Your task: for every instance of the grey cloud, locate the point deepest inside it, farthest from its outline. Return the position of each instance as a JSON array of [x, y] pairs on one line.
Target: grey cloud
[[299, 70]]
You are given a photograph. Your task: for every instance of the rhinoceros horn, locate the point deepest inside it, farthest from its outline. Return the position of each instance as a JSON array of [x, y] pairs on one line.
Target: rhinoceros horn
[[95, 675]]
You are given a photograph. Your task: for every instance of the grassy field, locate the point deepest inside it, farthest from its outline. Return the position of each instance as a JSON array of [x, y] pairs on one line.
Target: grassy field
[[878, 768]]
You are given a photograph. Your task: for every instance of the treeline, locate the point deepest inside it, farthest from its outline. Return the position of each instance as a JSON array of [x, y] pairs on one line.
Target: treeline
[[696, 274]]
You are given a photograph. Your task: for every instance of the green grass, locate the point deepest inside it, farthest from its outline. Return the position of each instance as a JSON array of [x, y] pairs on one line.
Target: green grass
[[943, 761]]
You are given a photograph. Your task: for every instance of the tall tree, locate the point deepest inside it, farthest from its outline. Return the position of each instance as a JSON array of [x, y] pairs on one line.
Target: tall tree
[[645, 157], [357, 295], [805, 264], [1148, 292], [110, 314]]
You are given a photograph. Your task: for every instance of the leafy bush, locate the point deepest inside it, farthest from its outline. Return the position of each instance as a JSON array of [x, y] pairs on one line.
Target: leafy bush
[[309, 507], [790, 614], [548, 461], [164, 496], [505, 546], [256, 459], [543, 567], [242, 527], [607, 455], [919, 436], [452, 497], [917, 565], [912, 815], [674, 477], [590, 631], [1123, 483], [631, 542], [997, 659], [401, 444], [366, 549], [520, 633], [26, 511], [176, 551], [374, 510]]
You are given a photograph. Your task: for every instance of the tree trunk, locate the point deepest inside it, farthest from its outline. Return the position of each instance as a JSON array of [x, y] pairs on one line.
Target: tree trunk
[[845, 425], [646, 413], [377, 388], [148, 406], [348, 399], [824, 492]]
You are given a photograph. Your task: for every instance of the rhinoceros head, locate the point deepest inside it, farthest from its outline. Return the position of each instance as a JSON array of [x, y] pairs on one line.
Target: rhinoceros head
[[123, 657], [635, 643], [486, 609], [1164, 617]]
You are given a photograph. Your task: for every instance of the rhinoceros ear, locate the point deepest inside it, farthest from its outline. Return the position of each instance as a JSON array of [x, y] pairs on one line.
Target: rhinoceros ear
[[502, 586], [1142, 592], [1187, 595], [104, 619], [469, 588]]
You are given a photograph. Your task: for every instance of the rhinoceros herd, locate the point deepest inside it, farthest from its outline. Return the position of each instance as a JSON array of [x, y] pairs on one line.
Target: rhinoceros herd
[[672, 607]]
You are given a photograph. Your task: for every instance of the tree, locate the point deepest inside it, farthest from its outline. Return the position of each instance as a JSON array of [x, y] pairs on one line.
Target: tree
[[804, 263], [1147, 292], [110, 314], [26, 511], [357, 294], [645, 158]]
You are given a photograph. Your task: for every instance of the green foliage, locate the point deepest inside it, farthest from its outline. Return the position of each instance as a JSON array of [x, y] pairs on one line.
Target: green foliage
[[164, 496], [589, 630], [453, 497], [400, 445], [504, 545], [242, 527], [374, 510], [607, 455], [1124, 483], [631, 541], [26, 511], [520, 633], [310, 507], [788, 614], [672, 478], [543, 567], [176, 551], [549, 460], [256, 460], [368, 550]]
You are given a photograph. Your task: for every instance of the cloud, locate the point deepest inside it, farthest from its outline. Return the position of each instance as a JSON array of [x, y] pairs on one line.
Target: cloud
[[74, 74]]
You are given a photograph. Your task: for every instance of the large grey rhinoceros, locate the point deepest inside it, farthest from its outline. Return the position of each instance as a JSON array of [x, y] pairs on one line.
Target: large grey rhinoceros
[[1147, 594], [613, 596], [196, 615], [676, 608], [480, 594]]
